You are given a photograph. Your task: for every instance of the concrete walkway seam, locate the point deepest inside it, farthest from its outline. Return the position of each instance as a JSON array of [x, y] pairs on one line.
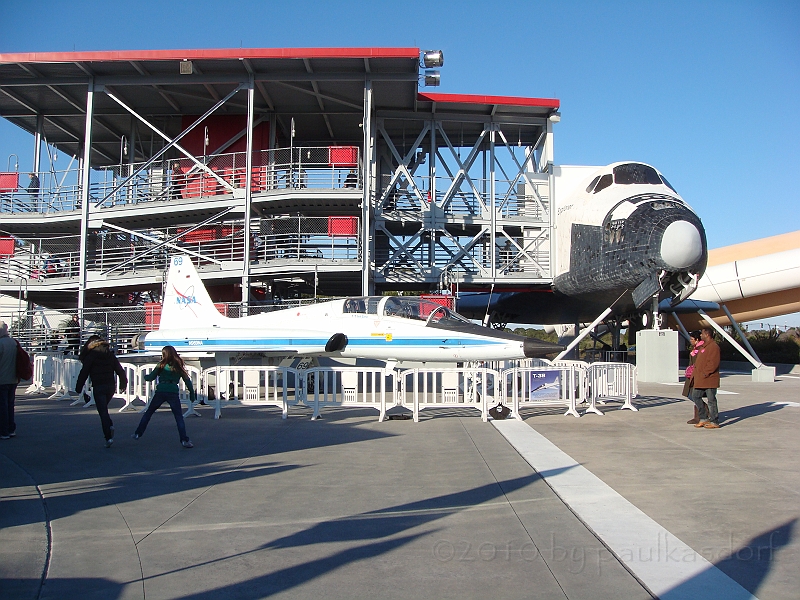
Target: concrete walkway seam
[[669, 568]]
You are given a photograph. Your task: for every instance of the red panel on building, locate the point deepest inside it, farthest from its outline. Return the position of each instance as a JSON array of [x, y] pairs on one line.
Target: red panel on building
[[208, 234], [446, 301], [342, 226], [222, 128], [9, 182], [6, 246], [343, 156]]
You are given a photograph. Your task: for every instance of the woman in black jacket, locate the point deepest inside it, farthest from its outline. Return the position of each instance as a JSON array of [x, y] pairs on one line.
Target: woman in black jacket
[[101, 364]]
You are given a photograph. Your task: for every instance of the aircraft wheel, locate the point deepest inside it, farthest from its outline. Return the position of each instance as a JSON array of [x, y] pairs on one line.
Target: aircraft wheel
[[648, 320]]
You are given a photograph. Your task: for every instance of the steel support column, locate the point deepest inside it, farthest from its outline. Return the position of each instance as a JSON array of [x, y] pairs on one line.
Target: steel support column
[[248, 197], [492, 205], [37, 155], [85, 169], [368, 169], [431, 208]]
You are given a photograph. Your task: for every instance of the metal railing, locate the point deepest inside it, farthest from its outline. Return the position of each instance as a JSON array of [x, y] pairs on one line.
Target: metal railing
[[512, 198], [335, 238], [305, 167], [277, 169]]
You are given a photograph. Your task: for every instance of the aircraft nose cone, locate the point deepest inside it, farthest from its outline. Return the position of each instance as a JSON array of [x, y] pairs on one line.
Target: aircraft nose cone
[[535, 348], [681, 245]]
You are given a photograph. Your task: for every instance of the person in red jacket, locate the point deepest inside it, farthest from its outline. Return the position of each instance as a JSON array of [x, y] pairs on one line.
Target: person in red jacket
[[706, 381]]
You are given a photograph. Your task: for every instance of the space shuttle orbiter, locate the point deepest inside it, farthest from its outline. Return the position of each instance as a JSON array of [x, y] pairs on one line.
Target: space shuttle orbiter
[[624, 236]]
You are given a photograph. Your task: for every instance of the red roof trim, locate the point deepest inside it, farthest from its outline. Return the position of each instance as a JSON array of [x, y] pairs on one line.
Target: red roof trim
[[209, 54], [503, 100]]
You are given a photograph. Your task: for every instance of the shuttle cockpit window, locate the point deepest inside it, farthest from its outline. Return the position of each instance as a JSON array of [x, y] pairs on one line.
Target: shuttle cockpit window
[[635, 173], [668, 184], [603, 183], [590, 187]]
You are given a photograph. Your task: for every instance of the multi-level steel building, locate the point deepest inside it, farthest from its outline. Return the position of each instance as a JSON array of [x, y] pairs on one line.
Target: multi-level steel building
[[282, 172]]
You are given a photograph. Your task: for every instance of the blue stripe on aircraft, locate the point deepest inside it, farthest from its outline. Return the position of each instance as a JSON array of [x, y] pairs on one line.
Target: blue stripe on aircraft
[[379, 341], [295, 343]]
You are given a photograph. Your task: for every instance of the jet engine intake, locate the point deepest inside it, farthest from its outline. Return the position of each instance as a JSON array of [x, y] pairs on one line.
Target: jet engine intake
[[337, 343]]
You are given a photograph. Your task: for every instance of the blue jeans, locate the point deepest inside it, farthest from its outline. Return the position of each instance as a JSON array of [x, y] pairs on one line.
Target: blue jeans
[[102, 396], [712, 412], [7, 393], [174, 402]]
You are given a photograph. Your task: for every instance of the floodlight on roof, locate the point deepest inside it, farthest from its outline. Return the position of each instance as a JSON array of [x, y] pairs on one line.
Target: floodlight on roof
[[432, 58], [432, 78], [555, 117], [186, 67]]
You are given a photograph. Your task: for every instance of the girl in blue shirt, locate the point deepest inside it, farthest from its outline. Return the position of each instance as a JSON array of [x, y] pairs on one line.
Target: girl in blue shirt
[[169, 372]]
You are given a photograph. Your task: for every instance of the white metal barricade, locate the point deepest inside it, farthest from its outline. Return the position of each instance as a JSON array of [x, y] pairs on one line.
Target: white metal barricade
[[610, 381], [137, 389], [251, 380], [43, 372], [69, 374], [59, 387], [346, 386], [580, 383], [557, 385], [452, 388], [529, 384], [196, 376], [65, 375]]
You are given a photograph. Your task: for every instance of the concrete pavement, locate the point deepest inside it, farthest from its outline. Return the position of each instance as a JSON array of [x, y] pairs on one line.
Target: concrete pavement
[[347, 507]]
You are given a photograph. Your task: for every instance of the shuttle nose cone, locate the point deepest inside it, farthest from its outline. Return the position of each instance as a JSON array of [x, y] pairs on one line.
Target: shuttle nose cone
[[681, 245]]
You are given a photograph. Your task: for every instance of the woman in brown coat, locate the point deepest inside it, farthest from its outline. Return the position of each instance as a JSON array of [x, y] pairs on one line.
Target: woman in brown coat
[[706, 381], [695, 343]]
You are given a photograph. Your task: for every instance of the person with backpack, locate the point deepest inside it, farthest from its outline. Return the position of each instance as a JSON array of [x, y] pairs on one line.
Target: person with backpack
[[169, 372], [8, 382], [101, 364]]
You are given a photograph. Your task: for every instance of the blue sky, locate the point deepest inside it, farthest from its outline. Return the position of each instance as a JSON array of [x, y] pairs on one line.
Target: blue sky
[[707, 92]]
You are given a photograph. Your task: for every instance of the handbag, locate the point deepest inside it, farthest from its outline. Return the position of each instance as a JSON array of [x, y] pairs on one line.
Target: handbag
[[23, 364]]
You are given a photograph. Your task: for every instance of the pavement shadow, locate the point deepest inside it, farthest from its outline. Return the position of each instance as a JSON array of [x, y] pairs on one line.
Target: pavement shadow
[[371, 527], [747, 565], [733, 416], [67, 588], [60, 449], [393, 520], [640, 402], [292, 577]]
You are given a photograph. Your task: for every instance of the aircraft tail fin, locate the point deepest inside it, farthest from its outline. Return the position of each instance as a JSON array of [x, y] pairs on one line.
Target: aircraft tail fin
[[186, 300]]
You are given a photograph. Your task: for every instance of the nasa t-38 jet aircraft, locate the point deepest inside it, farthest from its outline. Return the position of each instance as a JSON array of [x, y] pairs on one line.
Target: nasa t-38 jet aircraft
[[624, 236], [391, 328]]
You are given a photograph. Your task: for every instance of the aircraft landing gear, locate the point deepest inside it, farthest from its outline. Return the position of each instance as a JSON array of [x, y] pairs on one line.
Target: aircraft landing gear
[[648, 320]]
